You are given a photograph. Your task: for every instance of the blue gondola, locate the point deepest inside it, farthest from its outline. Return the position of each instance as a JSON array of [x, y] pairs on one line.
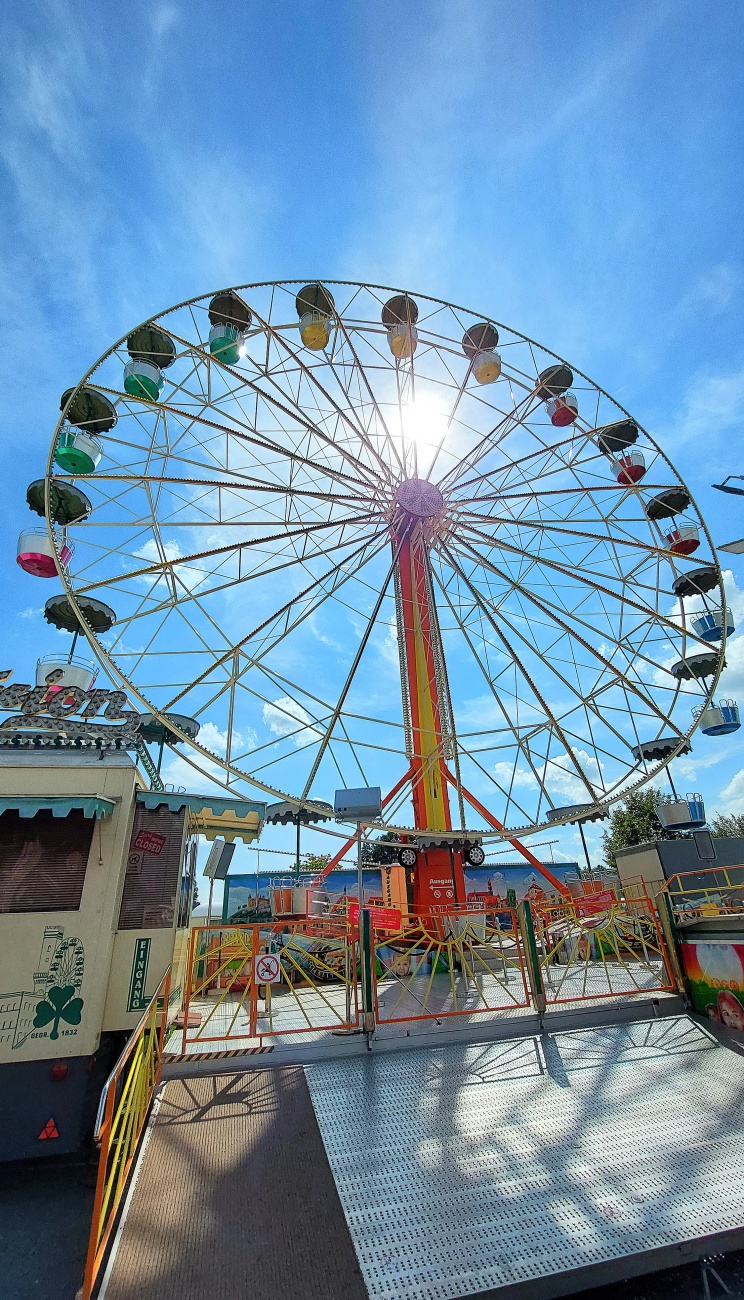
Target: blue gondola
[[719, 719], [681, 814], [709, 624]]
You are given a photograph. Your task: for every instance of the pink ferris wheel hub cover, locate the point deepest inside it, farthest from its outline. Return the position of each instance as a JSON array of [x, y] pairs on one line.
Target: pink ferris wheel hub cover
[[419, 498]]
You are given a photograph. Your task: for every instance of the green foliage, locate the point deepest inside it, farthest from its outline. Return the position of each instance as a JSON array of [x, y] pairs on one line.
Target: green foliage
[[314, 862], [633, 821], [380, 852], [723, 826]]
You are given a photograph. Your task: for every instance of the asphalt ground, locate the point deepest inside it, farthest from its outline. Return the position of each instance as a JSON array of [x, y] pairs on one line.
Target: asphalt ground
[[45, 1213]]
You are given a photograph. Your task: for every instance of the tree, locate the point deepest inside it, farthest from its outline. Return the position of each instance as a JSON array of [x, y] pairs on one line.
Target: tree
[[723, 825], [633, 821], [314, 862], [382, 851]]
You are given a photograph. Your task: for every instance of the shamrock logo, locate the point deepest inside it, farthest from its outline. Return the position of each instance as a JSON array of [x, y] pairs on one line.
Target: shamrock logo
[[60, 1004]]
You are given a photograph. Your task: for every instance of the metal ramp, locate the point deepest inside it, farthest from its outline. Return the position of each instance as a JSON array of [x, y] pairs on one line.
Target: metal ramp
[[525, 1167], [539, 1166]]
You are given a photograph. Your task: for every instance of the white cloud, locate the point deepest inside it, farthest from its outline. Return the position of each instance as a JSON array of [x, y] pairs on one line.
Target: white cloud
[[162, 17], [558, 778], [388, 647], [712, 405], [285, 717], [731, 798], [187, 576], [29, 612], [206, 776]]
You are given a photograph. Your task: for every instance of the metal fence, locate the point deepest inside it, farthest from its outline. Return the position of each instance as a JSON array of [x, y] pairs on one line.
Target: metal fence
[[456, 964], [122, 1113], [599, 947], [248, 982]]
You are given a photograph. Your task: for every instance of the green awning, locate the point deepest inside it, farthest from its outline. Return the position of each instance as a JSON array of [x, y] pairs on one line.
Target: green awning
[[59, 805]]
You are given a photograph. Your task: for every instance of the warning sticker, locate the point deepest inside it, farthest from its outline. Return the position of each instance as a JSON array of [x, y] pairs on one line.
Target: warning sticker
[[267, 969]]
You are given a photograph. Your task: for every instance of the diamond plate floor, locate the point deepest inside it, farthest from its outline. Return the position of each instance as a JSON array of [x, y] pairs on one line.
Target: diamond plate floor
[[469, 1169]]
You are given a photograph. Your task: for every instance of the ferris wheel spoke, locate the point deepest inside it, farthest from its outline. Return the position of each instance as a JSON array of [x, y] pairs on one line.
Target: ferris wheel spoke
[[351, 674], [330, 575], [312, 378], [545, 449], [510, 421], [551, 527], [297, 412], [357, 425], [592, 581], [272, 489], [555, 615], [588, 702], [518, 740], [509, 796], [230, 548], [555, 725], [539, 604], [361, 371], [252, 439], [234, 582]]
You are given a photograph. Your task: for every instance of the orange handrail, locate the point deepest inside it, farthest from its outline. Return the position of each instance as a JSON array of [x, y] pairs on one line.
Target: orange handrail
[[122, 1115]]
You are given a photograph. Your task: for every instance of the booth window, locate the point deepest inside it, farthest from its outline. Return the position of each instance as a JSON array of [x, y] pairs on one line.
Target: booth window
[[153, 869], [43, 860]]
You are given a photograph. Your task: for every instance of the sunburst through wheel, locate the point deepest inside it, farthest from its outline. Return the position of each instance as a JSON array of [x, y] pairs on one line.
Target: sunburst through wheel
[[296, 499]]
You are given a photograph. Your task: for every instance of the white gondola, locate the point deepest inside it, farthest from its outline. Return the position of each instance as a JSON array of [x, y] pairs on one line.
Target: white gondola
[[64, 671], [718, 719], [77, 452], [709, 624], [403, 340], [36, 553], [315, 330], [487, 367], [629, 468], [563, 410], [143, 379], [680, 814], [226, 343], [683, 540]]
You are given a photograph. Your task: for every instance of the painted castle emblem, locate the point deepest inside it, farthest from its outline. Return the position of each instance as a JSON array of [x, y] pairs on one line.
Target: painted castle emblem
[[54, 1008]]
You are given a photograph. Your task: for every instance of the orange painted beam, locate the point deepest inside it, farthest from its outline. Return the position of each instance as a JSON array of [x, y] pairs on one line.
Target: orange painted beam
[[517, 844], [343, 851]]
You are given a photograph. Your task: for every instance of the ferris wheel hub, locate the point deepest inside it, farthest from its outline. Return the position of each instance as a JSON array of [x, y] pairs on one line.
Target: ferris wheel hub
[[419, 498]]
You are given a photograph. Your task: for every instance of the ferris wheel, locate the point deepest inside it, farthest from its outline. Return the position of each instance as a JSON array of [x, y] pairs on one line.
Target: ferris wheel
[[333, 534]]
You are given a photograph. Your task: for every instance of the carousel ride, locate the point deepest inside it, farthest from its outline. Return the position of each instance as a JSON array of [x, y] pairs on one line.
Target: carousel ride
[[336, 535]]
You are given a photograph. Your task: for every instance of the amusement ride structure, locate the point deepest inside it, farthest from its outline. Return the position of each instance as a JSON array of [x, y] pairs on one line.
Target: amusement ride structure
[[274, 507]]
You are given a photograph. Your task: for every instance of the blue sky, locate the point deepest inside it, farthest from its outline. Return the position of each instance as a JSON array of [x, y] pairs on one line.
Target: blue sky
[[571, 169]]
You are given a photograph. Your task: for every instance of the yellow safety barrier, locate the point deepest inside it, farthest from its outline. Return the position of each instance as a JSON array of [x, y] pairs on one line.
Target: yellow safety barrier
[[248, 982], [600, 947], [454, 964], [122, 1114], [713, 891]]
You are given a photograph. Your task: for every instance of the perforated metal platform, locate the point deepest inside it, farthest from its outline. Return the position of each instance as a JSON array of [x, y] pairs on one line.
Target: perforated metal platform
[[515, 1165]]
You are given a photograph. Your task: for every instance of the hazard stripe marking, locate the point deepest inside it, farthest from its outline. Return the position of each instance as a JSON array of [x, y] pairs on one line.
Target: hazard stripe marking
[[169, 1057]]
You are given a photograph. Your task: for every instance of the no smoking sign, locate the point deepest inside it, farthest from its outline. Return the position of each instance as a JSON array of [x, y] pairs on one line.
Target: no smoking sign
[[267, 969]]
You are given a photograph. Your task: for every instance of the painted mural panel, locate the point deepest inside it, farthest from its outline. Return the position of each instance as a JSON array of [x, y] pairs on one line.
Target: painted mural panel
[[248, 898], [715, 969]]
